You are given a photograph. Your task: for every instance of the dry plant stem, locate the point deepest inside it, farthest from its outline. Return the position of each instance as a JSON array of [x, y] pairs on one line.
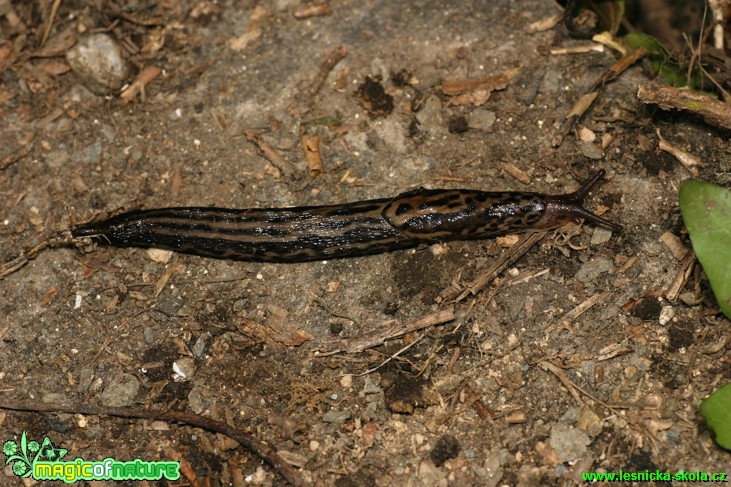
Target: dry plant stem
[[15, 155], [515, 172], [712, 111], [379, 336], [312, 10], [500, 264], [327, 65], [717, 8], [271, 154], [261, 449], [572, 387], [681, 277], [548, 366], [587, 100], [311, 148], [144, 78], [688, 160], [390, 358], [581, 308], [27, 255], [51, 19], [13, 265]]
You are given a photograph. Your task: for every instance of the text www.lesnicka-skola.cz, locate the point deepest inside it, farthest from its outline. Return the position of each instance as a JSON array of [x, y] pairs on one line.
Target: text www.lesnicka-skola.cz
[[656, 476]]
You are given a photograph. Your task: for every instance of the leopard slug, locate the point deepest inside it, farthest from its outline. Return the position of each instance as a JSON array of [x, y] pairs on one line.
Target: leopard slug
[[307, 233]]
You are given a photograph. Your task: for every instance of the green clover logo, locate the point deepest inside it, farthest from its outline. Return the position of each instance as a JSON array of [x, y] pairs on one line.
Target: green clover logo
[[24, 455]]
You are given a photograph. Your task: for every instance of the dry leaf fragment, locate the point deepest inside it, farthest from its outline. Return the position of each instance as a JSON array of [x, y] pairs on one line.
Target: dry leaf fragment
[[311, 147], [252, 30], [277, 330], [476, 91]]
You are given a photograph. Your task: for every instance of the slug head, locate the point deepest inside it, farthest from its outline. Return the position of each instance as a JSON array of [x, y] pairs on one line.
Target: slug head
[[566, 208]]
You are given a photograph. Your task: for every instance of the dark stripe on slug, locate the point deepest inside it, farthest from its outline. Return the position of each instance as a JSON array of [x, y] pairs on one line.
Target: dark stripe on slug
[[403, 208], [440, 201], [353, 209]]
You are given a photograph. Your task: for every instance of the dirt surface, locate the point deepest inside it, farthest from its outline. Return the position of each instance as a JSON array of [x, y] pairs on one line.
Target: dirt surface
[[515, 390]]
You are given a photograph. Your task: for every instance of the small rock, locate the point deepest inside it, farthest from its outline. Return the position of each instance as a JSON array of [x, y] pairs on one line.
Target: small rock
[[199, 347], [430, 475], [159, 255], [370, 387], [593, 269], [149, 335], [528, 88], [589, 422], [97, 61], [590, 150], [431, 117], [56, 158], [86, 376], [54, 398], [335, 417], [199, 400], [121, 391], [569, 443], [481, 119], [600, 236], [493, 465]]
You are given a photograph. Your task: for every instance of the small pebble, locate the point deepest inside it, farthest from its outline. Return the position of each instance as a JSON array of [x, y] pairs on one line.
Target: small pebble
[[97, 61]]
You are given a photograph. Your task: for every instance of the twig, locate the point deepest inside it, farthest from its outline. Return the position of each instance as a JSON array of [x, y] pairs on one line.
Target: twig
[[327, 65], [260, 448], [377, 337], [144, 78], [712, 111], [30, 254], [51, 19], [391, 357], [573, 387], [501, 264], [312, 10], [570, 386], [688, 160], [681, 277], [271, 154], [16, 154], [582, 308], [717, 9]]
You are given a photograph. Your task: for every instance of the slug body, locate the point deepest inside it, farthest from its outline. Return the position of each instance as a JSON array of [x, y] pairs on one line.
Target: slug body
[[309, 233]]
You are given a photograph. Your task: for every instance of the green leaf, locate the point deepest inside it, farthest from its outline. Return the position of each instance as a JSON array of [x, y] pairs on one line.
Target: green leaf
[[706, 210], [662, 62], [716, 410]]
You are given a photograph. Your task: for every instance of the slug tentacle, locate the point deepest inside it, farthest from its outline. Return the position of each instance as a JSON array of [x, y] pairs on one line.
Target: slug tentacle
[[309, 233], [561, 209]]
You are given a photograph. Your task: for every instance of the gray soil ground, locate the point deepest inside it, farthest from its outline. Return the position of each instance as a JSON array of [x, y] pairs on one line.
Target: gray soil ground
[[512, 391]]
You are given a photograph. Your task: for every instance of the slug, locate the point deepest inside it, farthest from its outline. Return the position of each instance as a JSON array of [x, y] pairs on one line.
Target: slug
[[307, 233]]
